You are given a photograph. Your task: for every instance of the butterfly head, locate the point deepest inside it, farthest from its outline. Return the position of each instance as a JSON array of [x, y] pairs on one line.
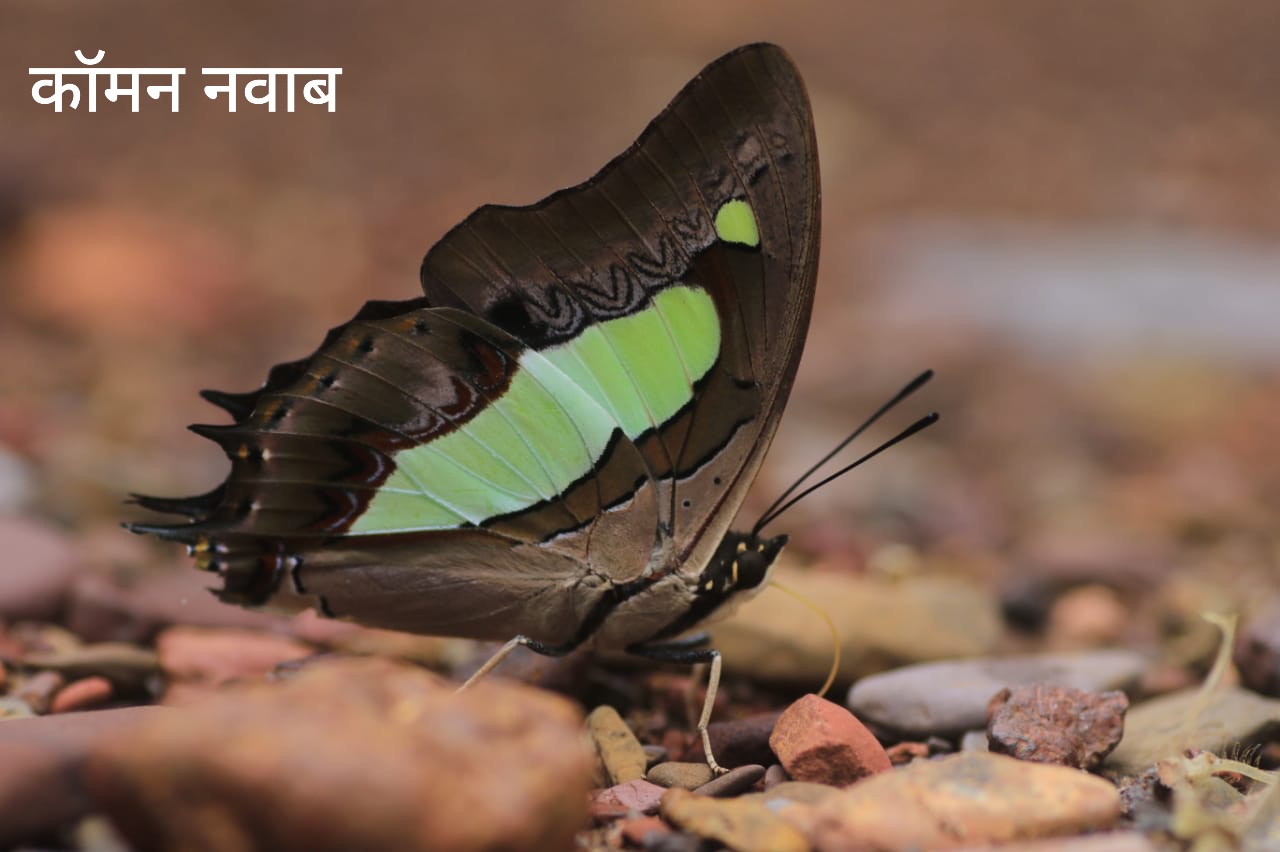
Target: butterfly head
[[741, 562]]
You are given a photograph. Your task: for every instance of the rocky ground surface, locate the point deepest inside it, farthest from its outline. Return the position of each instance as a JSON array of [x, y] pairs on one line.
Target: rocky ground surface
[[1071, 216]]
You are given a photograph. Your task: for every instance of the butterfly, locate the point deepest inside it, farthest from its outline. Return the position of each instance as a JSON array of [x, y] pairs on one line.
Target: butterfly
[[550, 444]]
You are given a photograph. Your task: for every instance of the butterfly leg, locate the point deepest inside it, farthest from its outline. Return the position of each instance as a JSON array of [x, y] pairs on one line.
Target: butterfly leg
[[686, 651], [505, 651]]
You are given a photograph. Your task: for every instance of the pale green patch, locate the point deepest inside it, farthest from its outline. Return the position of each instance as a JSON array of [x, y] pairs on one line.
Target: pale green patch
[[555, 420], [736, 223]]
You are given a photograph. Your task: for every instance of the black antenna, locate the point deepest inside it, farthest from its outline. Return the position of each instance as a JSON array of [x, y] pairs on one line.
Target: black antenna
[[923, 423], [908, 389]]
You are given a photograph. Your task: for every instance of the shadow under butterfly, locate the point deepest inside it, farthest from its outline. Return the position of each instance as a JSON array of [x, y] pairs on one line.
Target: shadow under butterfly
[[552, 442]]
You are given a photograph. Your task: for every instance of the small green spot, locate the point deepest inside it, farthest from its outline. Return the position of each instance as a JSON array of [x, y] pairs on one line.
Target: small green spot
[[736, 223]]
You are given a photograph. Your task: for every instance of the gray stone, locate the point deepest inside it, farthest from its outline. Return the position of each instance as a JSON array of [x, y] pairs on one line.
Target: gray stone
[[951, 697], [1164, 727]]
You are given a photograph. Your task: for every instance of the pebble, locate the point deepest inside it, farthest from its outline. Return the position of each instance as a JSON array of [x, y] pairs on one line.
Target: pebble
[[949, 698], [903, 753], [1257, 652], [1056, 724], [620, 752], [40, 760], [1089, 616], [676, 774], [742, 825], [735, 781], [775, 775], [820, 741], [798, 791], [739, 742], [221, 655], [351, 754], [129, 668], [82, 694], [773, 637], [1166, 726], [14, 708], [39, 566], [634, 795], [963, 799]]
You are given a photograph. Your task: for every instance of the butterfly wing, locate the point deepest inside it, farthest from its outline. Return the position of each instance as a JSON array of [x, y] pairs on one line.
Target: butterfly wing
[[579, 401]]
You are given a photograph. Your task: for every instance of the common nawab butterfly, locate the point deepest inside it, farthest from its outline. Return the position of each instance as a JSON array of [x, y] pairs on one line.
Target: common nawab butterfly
[[551, 443]]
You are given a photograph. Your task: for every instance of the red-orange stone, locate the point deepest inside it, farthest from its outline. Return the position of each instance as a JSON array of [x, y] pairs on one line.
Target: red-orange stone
[[819, 741], [81, 694]]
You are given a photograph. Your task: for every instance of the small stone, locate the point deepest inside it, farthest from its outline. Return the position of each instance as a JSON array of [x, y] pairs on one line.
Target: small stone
[[974, 741], [641, 831], [1090, 616], [635, 795], [820, 741], [733, 782], [1164, 727], [221, 655], [129, 668], [1056, 724], [674, 774], [39, 566], [81, 695], [14, 708], [745, 826], [950, 698], [1257, 652], [799, 791], [620, 752], [969, 799], [739, 742], [900, 754], [37, 691], [775, 775]]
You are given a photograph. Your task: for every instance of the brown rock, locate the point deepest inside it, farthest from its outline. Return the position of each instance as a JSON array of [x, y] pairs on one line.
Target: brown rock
[[740, 742], [742, 825], [81, 695], [1056, 724], [40, 758], [351, 754], [820, 741], [217, 656], [39, 564], [1090, 616], [620, 752], [1257, 652], [677, 774], [967, 799]]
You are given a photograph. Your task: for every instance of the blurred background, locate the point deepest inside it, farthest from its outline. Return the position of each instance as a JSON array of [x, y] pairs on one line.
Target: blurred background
[[1069, 210]]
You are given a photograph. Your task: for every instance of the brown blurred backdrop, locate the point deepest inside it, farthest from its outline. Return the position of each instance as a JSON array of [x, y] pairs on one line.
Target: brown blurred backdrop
[[1069, 209]]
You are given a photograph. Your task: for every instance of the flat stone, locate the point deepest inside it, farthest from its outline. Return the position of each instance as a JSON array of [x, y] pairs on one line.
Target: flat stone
[[773, 637], [745, 826], [636, 795], [40, 760], [39, 566], [351, 754], [963, 800], [820, 741], [1056, 724], [129, 668], [1164, 727], [735, 781], [620, 752], [221, 655], [949, 698], [677, 774]]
